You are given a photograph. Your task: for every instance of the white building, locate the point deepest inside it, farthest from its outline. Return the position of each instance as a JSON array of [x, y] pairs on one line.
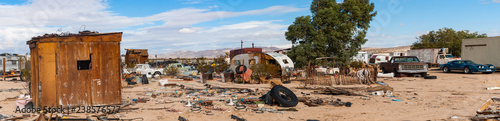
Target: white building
[[11, 62]]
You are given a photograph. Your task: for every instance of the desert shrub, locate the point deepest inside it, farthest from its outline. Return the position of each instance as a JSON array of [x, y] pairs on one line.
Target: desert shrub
[[356, 64], [171, 70]]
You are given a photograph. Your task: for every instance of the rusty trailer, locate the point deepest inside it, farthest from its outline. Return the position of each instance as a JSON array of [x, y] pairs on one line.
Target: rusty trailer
[[76, 69], [136, 56]]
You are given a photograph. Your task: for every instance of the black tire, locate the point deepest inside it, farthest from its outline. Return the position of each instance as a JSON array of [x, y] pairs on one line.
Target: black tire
[[446, 69], [396, 74], [238, 69], [156, 73], [423, 74], [289, 99], [430, 77], [145, 79], [269, 99], [383, 70], [467, 70]]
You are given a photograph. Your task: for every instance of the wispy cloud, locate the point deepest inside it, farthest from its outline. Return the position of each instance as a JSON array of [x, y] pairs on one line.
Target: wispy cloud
[[170, 32]]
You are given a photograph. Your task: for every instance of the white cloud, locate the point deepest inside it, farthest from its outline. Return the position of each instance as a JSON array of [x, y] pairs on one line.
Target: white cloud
[[18, 23], [496, 1], [384, 40], [190, 30], [492, 33]]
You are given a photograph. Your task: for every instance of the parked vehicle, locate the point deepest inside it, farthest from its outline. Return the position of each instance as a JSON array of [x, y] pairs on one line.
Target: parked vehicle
[[433, 56], [404, 65], [147, 70], [377, 59], [468, 67], [362, 56], [184, 70]]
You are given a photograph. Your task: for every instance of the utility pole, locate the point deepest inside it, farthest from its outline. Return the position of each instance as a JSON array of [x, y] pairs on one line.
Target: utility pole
[[241, 44]]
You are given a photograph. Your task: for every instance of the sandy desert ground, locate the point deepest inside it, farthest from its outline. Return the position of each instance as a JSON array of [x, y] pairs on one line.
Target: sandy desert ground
[[454, 95]]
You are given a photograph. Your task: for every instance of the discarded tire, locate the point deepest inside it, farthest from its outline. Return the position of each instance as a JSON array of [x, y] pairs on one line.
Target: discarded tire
[[238, 69], [268, 99], [430, 77], [145, 79], [284, 96]]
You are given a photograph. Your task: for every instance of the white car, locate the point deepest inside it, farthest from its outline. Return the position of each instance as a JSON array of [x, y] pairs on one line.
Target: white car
[[148, 70]]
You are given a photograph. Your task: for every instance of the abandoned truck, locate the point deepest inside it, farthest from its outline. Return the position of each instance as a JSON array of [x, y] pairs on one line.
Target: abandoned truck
[[147, 70], [404, 65], [433, 56], [284, 63]]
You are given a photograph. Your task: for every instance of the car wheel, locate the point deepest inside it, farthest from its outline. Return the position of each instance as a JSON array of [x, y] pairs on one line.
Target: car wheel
[[156, 73], [395, 72], [467, 70], [383, 70], [446, 70]]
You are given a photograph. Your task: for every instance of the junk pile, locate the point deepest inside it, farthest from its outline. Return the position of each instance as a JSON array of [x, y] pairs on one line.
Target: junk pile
[[133, 79], [211, 99], [489, 111]]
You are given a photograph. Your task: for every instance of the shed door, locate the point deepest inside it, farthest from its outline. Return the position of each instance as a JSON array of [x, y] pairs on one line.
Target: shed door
[[74, 73]]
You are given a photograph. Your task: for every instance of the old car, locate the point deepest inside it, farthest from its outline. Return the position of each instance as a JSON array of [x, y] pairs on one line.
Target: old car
[[467, 66], [404, 65], [147, 70]]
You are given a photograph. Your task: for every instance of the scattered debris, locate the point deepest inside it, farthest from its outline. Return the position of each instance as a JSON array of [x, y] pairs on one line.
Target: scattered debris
[[237, 118]]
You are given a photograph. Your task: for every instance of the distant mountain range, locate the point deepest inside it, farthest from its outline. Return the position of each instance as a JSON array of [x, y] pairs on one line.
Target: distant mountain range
[[218, 52], [387, 50], [204, 53]]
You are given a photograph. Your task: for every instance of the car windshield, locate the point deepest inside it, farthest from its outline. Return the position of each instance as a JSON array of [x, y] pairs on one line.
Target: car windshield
[[406, 59], [468, 62], [449, 56]]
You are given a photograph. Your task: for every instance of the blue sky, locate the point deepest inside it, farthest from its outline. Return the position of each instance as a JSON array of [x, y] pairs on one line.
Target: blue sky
[[172, 25]]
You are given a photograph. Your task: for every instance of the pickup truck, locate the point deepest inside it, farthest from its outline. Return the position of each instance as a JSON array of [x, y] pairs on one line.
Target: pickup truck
[[148, 70], [404, 65]]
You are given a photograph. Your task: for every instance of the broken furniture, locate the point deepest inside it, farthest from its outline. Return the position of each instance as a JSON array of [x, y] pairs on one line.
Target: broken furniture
[[489, 110]]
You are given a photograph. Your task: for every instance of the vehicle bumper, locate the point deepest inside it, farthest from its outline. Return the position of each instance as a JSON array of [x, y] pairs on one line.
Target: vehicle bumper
[[484, 70], [412, 71]]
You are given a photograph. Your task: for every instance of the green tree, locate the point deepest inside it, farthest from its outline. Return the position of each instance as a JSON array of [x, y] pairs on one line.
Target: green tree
[[334, 30], [445, 38]]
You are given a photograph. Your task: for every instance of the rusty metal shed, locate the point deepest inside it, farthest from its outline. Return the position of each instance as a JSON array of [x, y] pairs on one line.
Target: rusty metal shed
[[136, 56], [76, 69]]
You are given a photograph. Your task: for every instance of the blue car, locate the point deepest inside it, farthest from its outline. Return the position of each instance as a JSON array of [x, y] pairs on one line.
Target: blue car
[[467, 66]]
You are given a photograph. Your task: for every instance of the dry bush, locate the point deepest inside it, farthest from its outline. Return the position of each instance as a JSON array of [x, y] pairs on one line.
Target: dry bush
[[171, 71]]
